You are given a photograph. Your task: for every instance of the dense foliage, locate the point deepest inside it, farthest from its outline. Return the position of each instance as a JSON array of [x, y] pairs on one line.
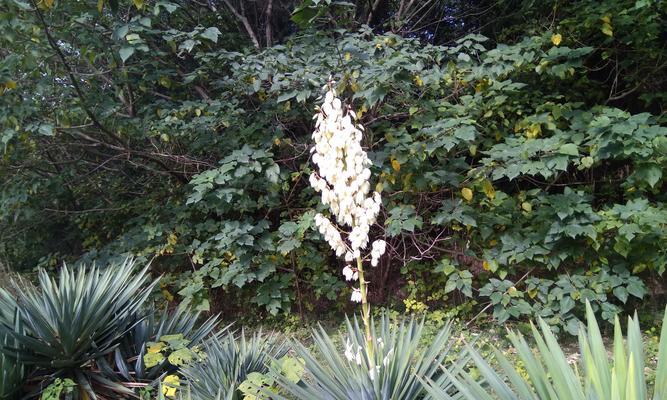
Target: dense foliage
[[520, 148]]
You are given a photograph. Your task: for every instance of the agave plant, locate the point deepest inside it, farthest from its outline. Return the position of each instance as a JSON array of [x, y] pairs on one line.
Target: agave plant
[[71, 321], [549, 376], [127, 361], [342, 374], [228, 362], [12, 372]]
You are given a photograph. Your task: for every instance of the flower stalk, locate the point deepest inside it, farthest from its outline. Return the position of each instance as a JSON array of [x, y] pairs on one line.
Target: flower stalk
[[366, 312], [342, 178]]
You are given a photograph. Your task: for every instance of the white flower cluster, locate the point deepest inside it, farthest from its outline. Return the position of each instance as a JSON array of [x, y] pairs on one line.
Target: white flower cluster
[[331, 234], [343, 171], [377, 250], [356, 357], [350, 274], [343, 179], [385, 362], [351, 356]]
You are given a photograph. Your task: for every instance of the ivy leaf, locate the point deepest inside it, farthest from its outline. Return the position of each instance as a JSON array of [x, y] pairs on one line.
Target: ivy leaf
[[636, 288], [566, 304], [621, 293], [211, 34], [187, 45], [126, 52], [649, 173], [46, 129], [286, 96], [570, 149], [450, 285]]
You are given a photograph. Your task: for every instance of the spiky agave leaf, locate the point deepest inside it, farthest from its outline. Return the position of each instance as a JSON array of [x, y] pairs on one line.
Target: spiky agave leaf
[[228, 362], [551, 377], [346, 373], [660, 390], [127, 360], [12, 372], [77, 318]]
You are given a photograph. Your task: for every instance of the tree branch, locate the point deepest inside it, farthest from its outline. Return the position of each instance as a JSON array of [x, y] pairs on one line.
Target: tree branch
[[269, 29], [244, 21], [70, 73]]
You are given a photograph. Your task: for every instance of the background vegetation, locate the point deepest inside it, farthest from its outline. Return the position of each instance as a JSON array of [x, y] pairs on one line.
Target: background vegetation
[[520, 146]]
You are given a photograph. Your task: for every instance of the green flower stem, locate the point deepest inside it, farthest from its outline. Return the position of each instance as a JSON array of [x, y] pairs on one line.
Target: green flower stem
[[366, 313]]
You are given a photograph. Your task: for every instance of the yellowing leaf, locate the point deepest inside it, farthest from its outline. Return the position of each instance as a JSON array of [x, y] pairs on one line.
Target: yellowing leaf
[[556, 39], [138, 3], [533, 131], [527, 207], [418, 81], [170, 384], [481, 85], [607, 29], [639, 268], [348, 56], [512, 291], [155, 347], [153, 359], [100, 5], [10, 84], [489, 190], [606, 19], [164, 81], [395, 165], [532, 293], [181, 357], [198, 112], [466, 193], [167, 295]]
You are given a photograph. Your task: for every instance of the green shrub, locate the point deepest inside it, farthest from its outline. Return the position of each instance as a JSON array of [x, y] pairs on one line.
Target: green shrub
[[547, 374], [398, 361]]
